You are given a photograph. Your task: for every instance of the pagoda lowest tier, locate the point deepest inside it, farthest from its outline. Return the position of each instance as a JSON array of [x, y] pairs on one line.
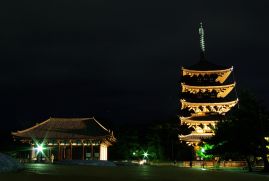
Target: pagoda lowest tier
[[207, 94], [202, 127]]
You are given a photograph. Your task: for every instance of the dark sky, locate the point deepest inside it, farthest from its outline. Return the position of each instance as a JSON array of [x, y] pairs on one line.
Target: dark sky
[[120, 60]]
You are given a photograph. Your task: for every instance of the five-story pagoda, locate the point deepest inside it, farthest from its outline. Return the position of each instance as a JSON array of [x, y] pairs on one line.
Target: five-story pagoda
[[206, 96]]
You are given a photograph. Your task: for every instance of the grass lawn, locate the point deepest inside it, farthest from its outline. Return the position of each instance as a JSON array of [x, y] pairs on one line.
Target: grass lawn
[[40, 172]]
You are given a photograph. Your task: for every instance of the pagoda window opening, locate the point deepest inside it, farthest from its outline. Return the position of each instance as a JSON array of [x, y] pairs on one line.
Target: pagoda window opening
[[199, 78], [213, 78], [214, 94], [207, 93], [199, 95], [186, 78], [206, 78]]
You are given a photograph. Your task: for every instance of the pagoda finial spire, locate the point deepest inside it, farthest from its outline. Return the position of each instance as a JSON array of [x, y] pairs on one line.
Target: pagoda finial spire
[[202, 40]]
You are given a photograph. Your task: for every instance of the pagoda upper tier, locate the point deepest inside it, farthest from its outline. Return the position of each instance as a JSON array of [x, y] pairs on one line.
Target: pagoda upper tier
[[212, 76], [205, 72], [220, 91]]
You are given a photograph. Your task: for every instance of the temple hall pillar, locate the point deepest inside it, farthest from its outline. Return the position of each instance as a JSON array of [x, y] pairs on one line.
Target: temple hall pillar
[[71, 150], [59, 152], [83, 151], [91, 151], [103, 152], [33, 153]]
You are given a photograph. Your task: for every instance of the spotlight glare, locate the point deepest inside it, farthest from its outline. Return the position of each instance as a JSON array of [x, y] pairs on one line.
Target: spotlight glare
[[145, 154], [39, 148]]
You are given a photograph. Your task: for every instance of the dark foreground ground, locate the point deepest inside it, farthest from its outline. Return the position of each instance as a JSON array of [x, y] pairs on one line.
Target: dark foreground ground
[[40, 172]]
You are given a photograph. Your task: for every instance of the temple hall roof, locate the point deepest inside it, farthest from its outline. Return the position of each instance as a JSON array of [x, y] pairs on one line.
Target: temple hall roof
[[67, 128]]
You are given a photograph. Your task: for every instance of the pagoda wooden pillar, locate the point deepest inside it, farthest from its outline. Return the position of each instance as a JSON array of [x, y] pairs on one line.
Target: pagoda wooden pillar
[[59, 152], [92, 151], [83, 151], [33, 153], [64, 152], [71, 150], [49, 153]]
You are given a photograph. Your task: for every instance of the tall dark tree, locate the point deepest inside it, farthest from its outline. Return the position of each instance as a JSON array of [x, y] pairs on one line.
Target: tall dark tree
[[243, 131], [167, 134]]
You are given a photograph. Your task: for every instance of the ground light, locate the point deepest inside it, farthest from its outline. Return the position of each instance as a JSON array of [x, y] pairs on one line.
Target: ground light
[[145, 154]]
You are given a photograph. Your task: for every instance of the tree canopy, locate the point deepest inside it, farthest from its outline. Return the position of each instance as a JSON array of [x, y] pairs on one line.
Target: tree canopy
[[242, 133]]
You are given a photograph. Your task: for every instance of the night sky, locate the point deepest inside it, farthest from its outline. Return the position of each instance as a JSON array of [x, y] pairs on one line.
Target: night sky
[[120, 60]]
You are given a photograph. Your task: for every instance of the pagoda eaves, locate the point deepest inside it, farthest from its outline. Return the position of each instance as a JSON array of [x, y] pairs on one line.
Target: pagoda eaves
[[216, 107], [195, 137], [222, 74], [189, 121], [222, 90]]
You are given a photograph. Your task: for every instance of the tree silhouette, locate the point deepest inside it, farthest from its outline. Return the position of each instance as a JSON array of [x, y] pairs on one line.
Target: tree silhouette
[[242, 133]]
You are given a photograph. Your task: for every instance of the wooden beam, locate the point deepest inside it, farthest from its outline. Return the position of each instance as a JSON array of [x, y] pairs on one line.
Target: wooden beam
[[64, 152], [83, 151], [71, 151], [91, 151], [59, 151]]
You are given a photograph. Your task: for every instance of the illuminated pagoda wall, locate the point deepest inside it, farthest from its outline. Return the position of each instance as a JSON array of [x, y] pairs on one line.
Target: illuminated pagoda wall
[[67, 139], [207, 94]]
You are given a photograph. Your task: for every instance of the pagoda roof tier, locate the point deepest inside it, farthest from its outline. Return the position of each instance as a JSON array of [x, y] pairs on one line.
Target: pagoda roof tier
[[208, 97], [206, 117], [222, 90], [191, 122], [67, 129], [206, 107], [222, 74], [204, 65], [195, 137]]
